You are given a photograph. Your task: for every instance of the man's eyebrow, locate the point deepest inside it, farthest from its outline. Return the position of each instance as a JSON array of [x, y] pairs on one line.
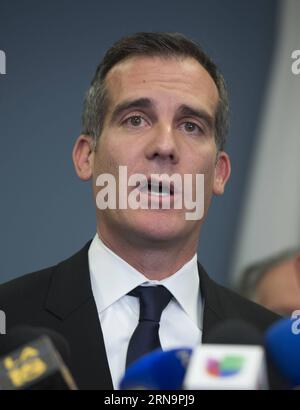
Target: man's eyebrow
[[130, 104], [189, 111]]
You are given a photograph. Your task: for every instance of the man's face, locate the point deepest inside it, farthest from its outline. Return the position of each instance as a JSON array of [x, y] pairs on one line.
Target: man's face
[[160, 119]]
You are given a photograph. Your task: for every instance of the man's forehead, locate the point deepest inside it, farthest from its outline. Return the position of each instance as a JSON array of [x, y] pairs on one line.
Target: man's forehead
[[178, 74]]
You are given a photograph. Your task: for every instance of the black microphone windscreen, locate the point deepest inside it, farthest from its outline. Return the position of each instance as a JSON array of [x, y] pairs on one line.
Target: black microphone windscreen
[[235, 332], [23, 334], [34, 359]]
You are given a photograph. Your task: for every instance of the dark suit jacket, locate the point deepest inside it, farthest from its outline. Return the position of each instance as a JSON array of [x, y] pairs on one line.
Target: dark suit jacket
[[60, 298]]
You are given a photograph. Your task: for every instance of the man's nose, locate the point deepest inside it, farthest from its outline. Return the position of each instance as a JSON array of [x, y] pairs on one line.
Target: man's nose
[[163, 145]]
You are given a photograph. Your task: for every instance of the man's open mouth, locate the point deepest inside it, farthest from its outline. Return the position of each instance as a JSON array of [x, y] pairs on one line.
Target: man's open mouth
[[158, 187]]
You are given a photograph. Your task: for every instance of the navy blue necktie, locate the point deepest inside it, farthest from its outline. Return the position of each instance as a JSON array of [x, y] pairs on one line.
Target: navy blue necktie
[[145, 338]]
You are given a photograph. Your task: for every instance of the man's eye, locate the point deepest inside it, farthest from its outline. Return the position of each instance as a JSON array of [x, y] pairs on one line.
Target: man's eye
[[134, 121], [191, 127]]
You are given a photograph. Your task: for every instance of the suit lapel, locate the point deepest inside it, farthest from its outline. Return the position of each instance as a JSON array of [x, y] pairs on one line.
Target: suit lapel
[[213, 313], [70, 300]]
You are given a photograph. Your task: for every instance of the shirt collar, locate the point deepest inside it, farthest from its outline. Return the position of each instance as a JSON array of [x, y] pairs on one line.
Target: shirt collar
[[112, 278]]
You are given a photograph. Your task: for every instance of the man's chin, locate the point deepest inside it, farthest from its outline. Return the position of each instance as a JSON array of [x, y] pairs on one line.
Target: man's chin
[[160, 226]]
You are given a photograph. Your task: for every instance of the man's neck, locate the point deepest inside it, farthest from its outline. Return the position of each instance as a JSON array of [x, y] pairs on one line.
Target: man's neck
[[156, 261]]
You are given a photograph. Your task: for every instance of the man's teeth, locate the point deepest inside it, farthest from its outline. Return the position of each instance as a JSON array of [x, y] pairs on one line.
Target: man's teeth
[[158, 189]]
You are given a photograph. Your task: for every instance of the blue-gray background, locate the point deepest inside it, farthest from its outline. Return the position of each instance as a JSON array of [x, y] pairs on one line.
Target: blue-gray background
[[52, 49]]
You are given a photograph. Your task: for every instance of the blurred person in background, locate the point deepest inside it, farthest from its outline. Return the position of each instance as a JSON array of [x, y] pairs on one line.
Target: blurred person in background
[[274, 282]]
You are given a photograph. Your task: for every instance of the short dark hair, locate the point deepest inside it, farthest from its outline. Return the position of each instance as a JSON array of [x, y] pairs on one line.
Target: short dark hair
[[150, 44]]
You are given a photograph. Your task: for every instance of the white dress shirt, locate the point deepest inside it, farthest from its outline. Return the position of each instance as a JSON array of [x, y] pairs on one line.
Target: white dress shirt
[[112, 278]]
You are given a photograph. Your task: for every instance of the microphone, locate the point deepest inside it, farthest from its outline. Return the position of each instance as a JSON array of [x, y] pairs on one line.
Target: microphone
[[158, 370], [232, 359], [283, 344], [31, 359], [235, 331]]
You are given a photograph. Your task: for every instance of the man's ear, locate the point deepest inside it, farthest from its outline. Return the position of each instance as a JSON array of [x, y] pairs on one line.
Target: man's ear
[[222, 173], [83, 157]]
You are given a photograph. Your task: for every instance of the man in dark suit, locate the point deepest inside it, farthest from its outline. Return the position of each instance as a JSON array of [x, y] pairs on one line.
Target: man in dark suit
[[158, 107]]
